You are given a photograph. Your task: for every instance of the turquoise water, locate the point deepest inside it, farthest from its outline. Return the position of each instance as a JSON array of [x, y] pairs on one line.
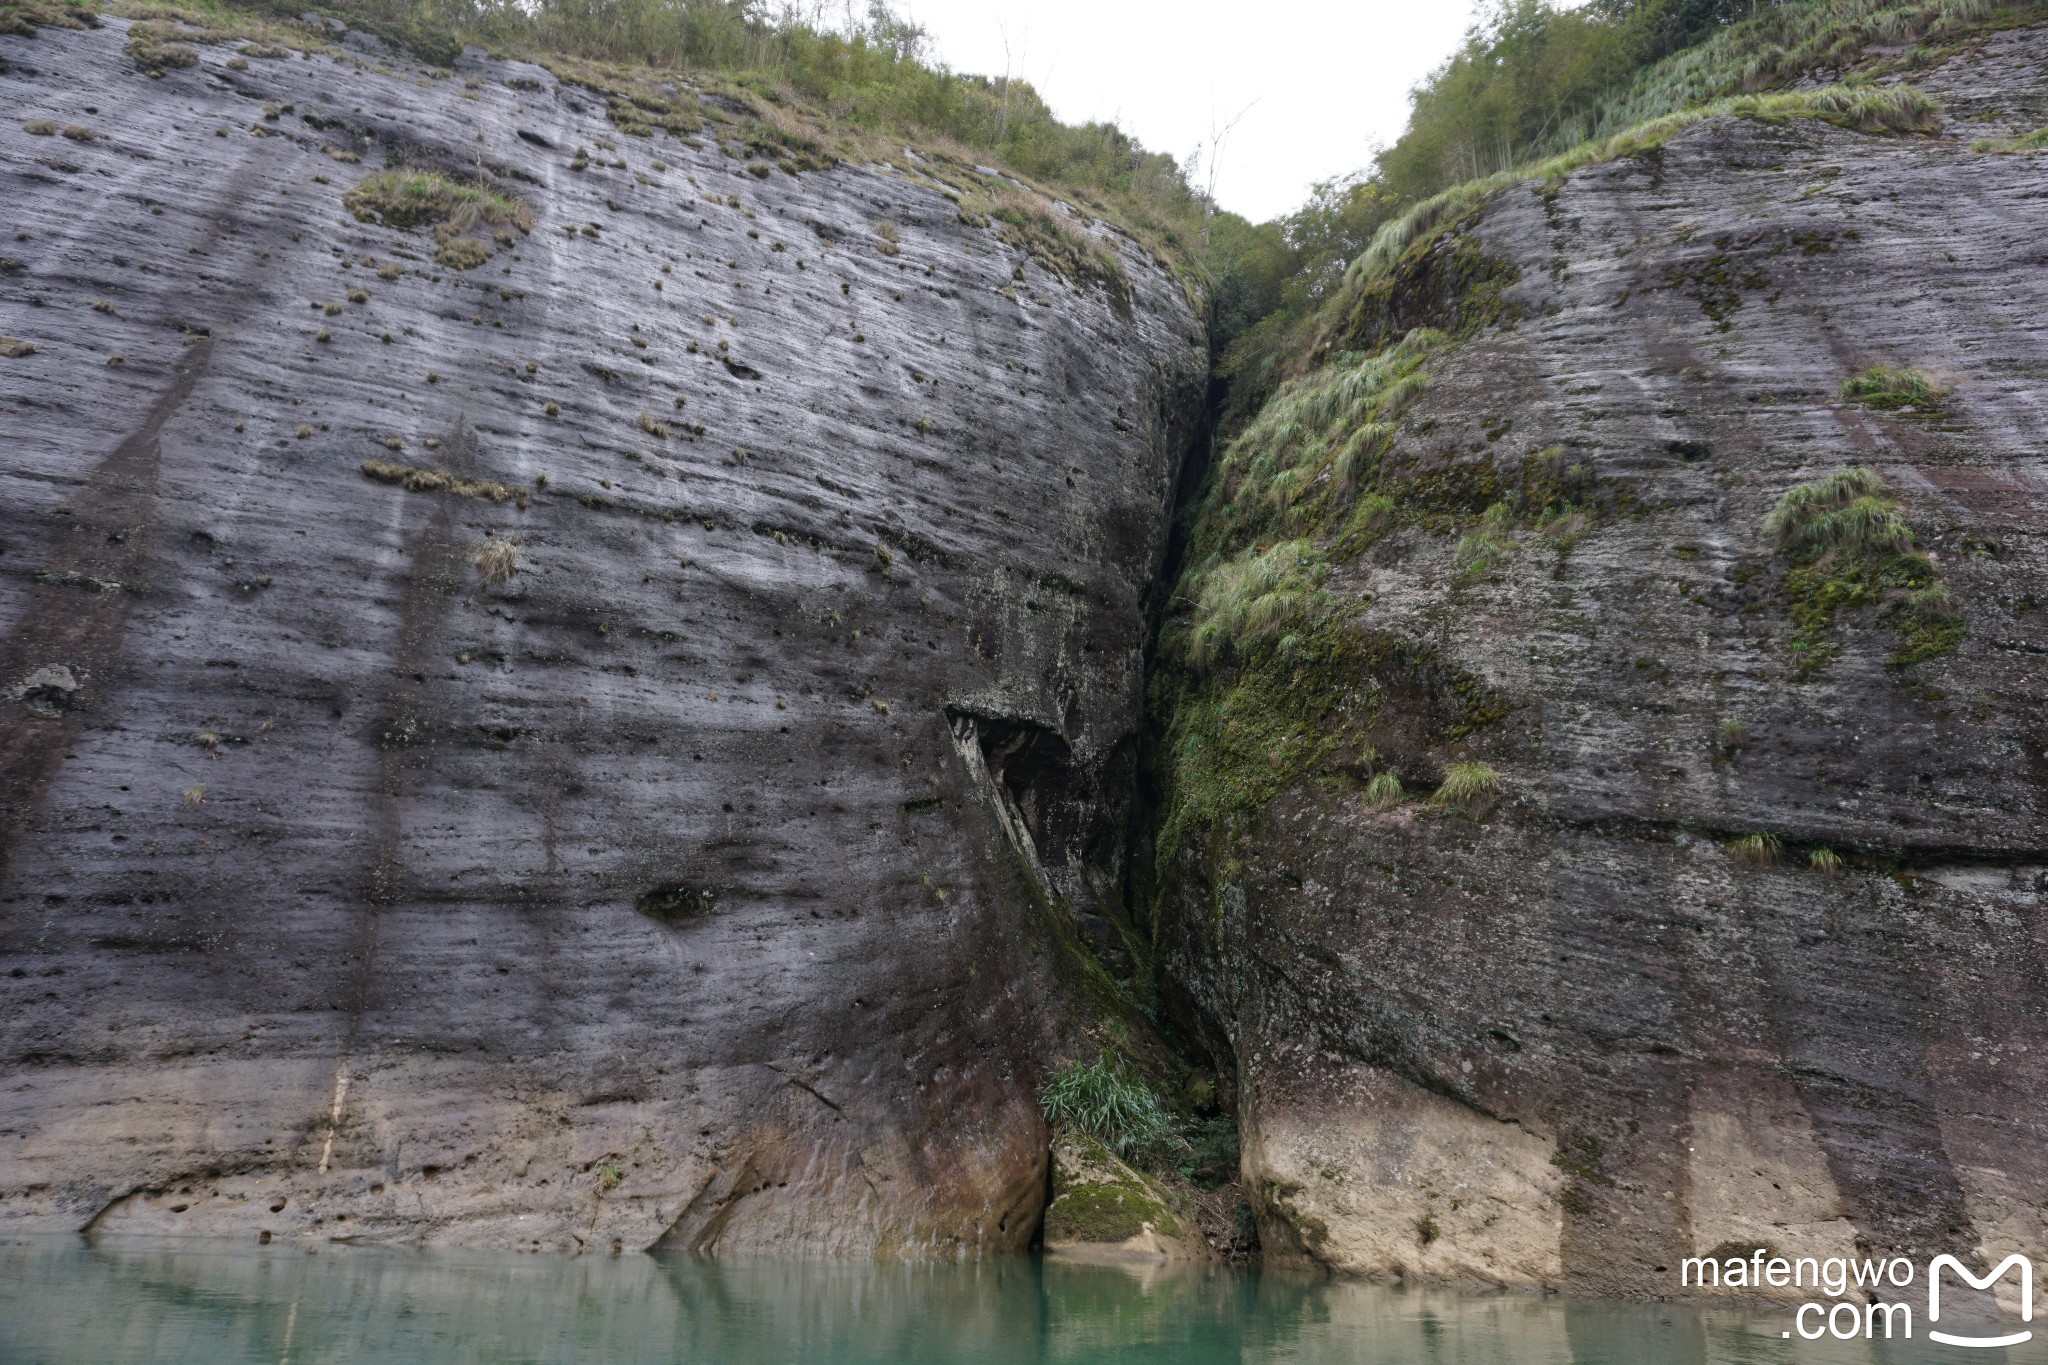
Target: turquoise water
[[125, 1304]]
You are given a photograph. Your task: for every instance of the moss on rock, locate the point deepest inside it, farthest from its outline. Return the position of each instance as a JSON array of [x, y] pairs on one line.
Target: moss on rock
[[1097, 1199]]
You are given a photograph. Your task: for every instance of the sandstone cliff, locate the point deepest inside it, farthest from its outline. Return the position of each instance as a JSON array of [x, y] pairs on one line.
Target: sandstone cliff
[[573, 677], [1575, 872], [587, 714]]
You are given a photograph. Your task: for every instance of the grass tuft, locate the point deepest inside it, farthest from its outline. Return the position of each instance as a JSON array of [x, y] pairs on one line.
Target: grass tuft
[[1849, 546], [1098, 1098], [1891, 389], [2036, 141], [1825, 861], [1384, 791], [20, 18], [1484, 551], [1466, 786], [1847, 512], [1758, 850], [415, 198], [461, 253], [408, 199], [162, 37], [498, 560], [1252, 600]]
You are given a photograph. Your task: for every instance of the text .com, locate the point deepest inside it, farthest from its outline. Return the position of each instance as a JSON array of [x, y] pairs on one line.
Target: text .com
[[1866, 1315]]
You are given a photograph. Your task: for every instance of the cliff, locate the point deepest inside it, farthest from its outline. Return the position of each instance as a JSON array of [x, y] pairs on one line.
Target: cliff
[[575, 676], [571, 665], [1604, 763]]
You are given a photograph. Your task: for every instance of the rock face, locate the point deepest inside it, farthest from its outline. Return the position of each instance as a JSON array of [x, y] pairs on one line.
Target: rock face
[[1566, 1036], [704, 882]]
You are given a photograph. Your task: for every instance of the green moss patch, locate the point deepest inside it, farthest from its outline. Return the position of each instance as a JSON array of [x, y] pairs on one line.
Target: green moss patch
[[1097, 1198], [1107, 1213], [1238, 738], [1442, 280]]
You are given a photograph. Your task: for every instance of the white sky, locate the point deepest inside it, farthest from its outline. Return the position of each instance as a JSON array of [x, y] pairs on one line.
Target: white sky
[[1324, 82]]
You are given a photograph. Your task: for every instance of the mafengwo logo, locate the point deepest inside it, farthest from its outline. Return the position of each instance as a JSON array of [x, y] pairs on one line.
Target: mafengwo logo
[[1863, 1315]]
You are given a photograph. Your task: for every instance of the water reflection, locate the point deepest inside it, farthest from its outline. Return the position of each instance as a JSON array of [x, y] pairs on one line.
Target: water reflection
[[123, 1304]]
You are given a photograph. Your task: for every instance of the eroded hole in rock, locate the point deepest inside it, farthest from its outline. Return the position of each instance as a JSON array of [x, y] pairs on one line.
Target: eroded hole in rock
[[677, 903], [48, 692]]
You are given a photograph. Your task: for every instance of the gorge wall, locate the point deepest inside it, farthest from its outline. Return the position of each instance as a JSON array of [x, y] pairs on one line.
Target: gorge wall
[[708, 882], [603, 712], [1737, 937]]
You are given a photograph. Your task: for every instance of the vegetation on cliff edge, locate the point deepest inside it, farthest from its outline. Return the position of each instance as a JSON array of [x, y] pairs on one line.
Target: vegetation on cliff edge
[[1333, 319]]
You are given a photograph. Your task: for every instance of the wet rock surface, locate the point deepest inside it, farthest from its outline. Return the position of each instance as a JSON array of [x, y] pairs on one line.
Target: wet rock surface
[[1568, 1036], [684, 887]]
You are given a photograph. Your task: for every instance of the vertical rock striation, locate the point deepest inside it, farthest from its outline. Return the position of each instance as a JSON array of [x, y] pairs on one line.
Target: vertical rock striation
[[596, 746]]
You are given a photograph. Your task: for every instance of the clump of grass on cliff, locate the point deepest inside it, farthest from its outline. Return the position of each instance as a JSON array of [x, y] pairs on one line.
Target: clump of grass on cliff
[[21, 18], [417, 480], [2036, 141], [1103, 1100], [1384, 791], [1890, 389], [1486, 549], [416, 198], [1310, 450], [1024, 221], [1253, 600], [498, 559], [165, 36], [1848, 547], [1757, 850], [1467, 787]]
